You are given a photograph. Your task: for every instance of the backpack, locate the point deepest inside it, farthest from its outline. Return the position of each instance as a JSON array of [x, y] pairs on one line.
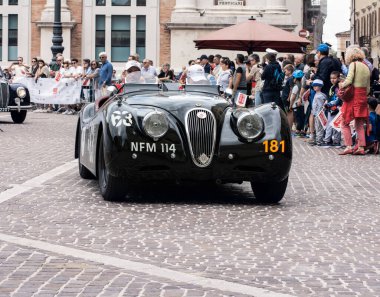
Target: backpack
[[277, 80]]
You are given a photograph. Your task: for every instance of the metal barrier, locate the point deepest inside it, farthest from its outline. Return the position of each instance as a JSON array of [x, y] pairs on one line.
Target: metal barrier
[[88, 92]]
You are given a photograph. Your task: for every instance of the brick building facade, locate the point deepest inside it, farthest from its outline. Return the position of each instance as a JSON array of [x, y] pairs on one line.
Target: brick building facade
[[166, 8], [120, 27]]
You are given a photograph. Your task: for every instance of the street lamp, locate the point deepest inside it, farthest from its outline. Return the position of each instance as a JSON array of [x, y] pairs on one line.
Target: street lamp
[[57, 31]]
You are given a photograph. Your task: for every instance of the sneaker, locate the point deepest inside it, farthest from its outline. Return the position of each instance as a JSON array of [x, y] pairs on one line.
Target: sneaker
[[312, 143], [65, 112], [61, 110], [70, 112], [49, 110]]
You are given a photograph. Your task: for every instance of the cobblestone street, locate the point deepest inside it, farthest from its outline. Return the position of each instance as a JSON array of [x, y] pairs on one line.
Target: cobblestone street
[[58, 237]]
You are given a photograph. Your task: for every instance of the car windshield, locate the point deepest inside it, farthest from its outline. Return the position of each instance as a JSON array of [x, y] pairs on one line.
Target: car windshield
[[170, 87]]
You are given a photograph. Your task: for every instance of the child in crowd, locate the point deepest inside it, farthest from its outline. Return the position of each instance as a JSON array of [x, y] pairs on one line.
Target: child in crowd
[[373, 129], [318, 102], [332, 106], [288, 70], [296, 110]]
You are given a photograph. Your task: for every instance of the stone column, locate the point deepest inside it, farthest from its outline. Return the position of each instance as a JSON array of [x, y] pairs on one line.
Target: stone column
[[185, 6], [276, 6], [46, 27]]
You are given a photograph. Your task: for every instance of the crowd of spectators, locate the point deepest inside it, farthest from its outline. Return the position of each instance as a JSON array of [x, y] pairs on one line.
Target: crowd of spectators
[[306, 87]]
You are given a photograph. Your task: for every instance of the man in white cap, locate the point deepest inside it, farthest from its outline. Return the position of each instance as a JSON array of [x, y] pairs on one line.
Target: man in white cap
[[196, 75], [271, 51], [133, 69]]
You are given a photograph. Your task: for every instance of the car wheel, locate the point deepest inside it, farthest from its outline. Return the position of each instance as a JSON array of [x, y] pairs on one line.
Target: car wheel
[[271, 192], [112, 188], [83, 171], [18, 117]]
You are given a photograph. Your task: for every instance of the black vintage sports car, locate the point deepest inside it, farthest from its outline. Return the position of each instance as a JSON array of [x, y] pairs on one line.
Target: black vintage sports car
[[14, 98], [152, 133]]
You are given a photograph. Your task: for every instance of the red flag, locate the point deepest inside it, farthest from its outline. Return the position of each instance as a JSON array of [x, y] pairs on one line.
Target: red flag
[[58, 77]]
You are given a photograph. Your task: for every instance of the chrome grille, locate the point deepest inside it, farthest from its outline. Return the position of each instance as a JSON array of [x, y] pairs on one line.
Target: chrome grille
[[201, 134], [3, 94]]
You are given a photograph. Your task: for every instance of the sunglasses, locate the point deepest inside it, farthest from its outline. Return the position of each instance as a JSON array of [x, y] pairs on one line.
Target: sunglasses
[[34, 61], [102, 57]]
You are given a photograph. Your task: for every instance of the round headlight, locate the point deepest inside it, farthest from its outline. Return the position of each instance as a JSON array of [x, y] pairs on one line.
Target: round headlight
[[249, 125], [21, 92], [155, 124]]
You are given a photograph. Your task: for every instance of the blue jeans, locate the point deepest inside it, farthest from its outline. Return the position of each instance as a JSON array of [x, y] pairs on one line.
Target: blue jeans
[[258, 98], [272, 96]]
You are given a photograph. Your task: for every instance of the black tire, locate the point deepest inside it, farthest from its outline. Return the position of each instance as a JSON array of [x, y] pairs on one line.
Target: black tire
[[271, 192], [83, 171], [18, 117], [112, 188]]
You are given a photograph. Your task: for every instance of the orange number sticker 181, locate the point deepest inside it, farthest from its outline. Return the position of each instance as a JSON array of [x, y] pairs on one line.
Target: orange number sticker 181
[[274, 146]]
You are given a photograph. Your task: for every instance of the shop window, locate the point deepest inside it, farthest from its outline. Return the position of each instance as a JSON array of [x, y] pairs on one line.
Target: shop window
[[141, 36], [100, 40], [120, 38], [12, 37], [121, 2]]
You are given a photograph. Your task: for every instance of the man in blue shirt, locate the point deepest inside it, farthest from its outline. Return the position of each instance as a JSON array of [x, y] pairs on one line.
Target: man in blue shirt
[[105, 74]]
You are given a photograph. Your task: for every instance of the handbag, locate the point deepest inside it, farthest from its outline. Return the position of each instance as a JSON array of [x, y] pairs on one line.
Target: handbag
[[347, 94], [306, 96]]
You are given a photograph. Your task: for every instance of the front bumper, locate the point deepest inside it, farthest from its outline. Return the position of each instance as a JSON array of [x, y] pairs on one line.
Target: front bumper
[[246, 162], [16, 108]]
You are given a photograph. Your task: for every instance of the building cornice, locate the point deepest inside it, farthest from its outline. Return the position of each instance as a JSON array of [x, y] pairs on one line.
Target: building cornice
[[198, 26], [70, 25]]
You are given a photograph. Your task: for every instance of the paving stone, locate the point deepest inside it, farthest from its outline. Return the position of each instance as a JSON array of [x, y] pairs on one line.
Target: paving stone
[[321, 240]]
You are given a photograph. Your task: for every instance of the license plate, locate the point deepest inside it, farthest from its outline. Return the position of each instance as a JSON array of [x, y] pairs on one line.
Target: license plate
[[4, 109]]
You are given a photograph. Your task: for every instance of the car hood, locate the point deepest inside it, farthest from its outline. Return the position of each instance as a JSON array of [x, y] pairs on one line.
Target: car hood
[[180, 103]]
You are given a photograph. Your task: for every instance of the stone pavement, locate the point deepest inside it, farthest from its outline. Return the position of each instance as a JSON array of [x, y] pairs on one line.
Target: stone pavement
[[323, 239]]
